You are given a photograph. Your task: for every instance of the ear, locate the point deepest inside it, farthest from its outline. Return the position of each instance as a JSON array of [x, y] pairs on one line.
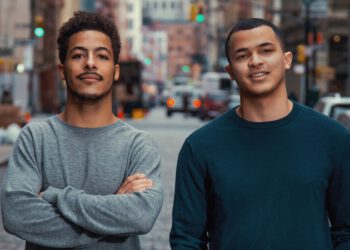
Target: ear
[[229, 71], [288, 57], [61, 71], [116, 72]]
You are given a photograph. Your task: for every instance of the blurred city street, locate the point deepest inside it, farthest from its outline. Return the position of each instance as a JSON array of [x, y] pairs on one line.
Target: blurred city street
[[173, 65], [170, 134]]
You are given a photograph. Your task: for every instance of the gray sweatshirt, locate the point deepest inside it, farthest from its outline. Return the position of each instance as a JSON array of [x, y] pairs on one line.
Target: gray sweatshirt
[[79, 170]]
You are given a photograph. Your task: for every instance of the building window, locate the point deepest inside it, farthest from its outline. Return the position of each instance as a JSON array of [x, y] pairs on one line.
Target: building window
[[155, 5], [172, 5], [130, 41], [164, 5], [130, 7], [130, 24]]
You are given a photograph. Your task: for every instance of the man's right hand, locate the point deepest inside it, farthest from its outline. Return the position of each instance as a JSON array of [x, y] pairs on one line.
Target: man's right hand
[[135, 183]]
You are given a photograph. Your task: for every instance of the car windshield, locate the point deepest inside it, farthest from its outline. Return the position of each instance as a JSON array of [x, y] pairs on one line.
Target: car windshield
[[337, 110]]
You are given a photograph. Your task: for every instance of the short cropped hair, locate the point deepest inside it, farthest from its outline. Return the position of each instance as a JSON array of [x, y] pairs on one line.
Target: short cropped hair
[[82, 21], [251, 23]]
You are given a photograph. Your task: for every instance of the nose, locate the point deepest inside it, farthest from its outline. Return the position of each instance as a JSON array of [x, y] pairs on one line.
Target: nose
[[255, 60], [90, 63]]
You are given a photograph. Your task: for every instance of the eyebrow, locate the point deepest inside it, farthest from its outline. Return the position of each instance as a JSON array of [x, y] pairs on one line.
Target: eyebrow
[[241, 50], [86, 50]]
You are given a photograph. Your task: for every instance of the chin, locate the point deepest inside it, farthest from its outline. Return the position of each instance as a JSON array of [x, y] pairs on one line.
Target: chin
[[90, 97]]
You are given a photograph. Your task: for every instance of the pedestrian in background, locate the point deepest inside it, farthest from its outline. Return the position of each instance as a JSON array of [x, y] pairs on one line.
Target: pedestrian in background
[[268, 174], [83, 179]]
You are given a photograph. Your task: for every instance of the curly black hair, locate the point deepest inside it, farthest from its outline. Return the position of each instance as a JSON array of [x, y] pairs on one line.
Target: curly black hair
[[87, 21]]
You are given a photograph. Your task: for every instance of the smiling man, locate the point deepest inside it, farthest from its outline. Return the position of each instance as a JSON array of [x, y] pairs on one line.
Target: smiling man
[[83, 179], [269, 174]]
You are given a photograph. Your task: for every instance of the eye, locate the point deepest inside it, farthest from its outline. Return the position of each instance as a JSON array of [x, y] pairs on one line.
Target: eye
[[103, 57], [77, 56], [241, 57], [267, 50]]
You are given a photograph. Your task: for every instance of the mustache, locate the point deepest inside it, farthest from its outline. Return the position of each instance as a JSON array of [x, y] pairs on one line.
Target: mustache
[[90, 73]]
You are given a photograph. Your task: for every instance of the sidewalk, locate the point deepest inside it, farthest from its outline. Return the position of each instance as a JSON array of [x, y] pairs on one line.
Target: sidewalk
[[5, 151]]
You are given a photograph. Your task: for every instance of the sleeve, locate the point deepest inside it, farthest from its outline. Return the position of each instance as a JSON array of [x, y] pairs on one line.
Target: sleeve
[[189, 229], [27, 215], [339, 199], [122, 215]]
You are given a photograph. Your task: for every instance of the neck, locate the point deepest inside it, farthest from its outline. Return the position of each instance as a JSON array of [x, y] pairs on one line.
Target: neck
[[91, 115], [264, 109]]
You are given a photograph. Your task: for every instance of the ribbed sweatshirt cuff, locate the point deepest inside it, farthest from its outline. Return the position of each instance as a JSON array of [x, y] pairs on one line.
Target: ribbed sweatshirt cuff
[[50, 195]]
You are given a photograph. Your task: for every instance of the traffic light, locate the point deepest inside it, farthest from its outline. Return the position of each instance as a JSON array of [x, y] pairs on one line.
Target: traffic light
[[148, 61], [186, 69], [200, 18], [301, 53], [39, 30]]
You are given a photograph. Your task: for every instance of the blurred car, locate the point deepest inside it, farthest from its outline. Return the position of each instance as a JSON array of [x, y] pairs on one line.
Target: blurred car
[[214, 103], [333, 106], [183, 99], [10, 114], [344, 119], [336, 107]]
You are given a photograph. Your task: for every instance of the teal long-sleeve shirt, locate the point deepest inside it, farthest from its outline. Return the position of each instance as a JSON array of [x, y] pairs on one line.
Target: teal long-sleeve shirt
[[273, 185]]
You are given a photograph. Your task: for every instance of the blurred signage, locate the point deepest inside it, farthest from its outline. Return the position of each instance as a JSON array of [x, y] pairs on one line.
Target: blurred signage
[[318, 8], [6, 51]]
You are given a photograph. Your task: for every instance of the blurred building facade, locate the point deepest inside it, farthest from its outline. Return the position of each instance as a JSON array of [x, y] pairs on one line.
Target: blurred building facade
[[15, 49], [324, 33], [165, 10], [129, 22], [155, 55], [166, 36]]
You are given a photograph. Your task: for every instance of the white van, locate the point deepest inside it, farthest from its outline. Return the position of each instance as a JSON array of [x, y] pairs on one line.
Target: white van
[[218, 81]]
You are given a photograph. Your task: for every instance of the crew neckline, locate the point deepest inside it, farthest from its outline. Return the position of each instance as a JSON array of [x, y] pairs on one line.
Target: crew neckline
[[268, 124], [87, 130]]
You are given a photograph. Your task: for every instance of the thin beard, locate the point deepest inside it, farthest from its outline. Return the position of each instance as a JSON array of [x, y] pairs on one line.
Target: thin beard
[[87, 98]]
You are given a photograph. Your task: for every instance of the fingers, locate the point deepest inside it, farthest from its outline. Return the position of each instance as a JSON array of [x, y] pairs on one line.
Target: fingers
[[135, 183], [138, 185]]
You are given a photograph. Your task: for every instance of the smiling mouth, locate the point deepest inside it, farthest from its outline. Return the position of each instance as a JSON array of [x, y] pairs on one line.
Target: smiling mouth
[[258, 75]]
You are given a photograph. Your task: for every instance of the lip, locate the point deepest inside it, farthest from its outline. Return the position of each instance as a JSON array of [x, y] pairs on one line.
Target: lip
[[258, 75], [90, 78]]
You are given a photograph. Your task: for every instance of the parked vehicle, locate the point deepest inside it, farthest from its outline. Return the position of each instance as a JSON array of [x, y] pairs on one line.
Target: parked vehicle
[[344, 118], [127, 90], [183, 99], [333, 106], [214, 103], [10, 114], [336, 107], [218, 81]]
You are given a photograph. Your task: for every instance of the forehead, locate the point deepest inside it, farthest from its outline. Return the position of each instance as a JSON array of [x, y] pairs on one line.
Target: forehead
[[90, 39], [252, 38]]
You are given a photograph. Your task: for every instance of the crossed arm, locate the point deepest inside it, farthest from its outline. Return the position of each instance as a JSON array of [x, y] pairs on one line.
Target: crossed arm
[[134, 183], [69, 213]]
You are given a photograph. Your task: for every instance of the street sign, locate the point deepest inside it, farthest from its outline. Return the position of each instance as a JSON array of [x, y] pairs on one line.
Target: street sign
[[23, 42], [6, 51]]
